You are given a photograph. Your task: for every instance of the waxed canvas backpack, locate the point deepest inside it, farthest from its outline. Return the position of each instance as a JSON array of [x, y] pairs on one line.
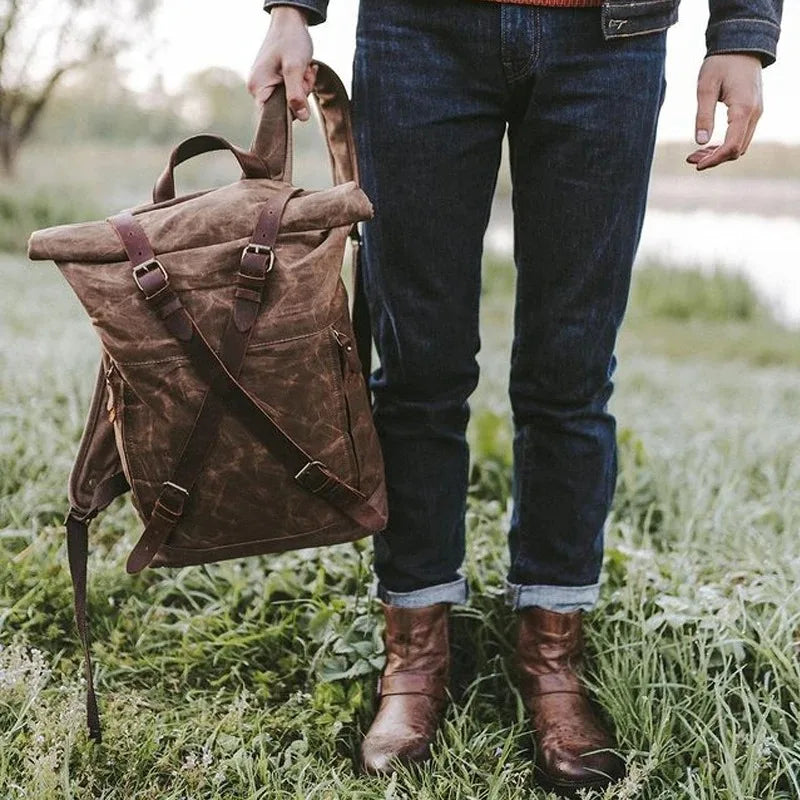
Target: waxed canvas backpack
[[231, 399]]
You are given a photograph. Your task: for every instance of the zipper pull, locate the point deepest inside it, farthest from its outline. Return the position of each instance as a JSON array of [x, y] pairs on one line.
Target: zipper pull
[[111, 400], [346, 345]]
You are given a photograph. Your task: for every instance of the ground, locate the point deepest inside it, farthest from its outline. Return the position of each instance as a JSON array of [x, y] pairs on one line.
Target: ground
[[255, 678]]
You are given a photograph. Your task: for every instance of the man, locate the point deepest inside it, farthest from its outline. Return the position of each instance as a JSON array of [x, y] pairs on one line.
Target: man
[[579, 85]]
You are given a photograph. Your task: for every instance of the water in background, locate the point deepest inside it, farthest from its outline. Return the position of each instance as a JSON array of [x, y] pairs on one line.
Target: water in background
[[765, 249]]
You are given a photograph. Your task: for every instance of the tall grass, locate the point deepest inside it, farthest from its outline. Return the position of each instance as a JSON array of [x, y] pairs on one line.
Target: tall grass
[[255, 678]]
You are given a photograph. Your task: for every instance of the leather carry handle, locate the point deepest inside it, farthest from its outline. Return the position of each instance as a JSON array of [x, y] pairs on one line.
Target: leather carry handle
[[273, 137], [253, 166]]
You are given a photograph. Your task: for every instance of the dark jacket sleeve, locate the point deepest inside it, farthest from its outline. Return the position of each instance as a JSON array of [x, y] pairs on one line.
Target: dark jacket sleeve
[[744, 26], [317, 9]]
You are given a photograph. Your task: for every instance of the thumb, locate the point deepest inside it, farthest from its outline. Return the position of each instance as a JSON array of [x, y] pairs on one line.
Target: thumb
[[707, 96]]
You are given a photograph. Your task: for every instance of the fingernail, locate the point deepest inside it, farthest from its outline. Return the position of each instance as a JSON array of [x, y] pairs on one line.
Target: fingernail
[[702, 136]]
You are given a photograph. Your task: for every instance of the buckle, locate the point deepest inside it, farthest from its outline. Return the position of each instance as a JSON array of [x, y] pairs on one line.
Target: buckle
[[260, 250], [145, 268], [302, 476], [177, 488]]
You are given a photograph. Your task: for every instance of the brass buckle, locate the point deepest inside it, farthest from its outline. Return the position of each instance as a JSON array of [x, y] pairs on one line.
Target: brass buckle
[[146, 267], [260, 250]]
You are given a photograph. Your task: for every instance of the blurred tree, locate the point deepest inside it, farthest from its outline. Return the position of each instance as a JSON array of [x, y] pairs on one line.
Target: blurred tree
[[216, 99], [98, 105], [41, 41]]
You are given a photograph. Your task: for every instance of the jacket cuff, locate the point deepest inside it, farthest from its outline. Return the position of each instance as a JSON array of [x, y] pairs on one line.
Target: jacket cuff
[[756, 36], [317, 9]]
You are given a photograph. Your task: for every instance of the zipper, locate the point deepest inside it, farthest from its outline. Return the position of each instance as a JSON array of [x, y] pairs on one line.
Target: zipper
[[347, 363], [114, 408]]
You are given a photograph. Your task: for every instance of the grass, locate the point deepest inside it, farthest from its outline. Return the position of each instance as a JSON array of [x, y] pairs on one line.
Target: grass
[[255, 679]]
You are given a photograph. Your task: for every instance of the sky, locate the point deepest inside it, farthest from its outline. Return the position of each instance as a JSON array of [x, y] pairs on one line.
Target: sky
[[195, 35]]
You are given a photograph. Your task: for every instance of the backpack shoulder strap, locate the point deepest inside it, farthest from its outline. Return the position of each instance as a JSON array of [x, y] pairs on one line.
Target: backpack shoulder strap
[[95, 480], [97, 467]]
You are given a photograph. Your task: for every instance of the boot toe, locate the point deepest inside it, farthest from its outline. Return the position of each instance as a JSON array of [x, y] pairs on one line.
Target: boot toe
[[380, 755], [590, 769]]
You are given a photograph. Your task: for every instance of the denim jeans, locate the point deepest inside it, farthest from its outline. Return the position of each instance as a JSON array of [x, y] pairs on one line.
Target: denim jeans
[[437, 83]]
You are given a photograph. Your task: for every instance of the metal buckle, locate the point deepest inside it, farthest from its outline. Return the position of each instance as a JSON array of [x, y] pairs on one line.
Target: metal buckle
[[175, 486], [302, 472], [308, 466], [144, 268], [260, 250]]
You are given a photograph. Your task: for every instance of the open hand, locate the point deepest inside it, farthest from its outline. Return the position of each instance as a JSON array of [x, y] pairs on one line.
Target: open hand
[[733, 79]]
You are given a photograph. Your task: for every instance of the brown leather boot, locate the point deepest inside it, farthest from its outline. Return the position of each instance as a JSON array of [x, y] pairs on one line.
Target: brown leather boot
[[571, 742], [412, 688]]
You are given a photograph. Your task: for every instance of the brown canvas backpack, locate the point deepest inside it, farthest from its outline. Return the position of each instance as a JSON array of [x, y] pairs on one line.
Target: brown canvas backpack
[[231, 398]]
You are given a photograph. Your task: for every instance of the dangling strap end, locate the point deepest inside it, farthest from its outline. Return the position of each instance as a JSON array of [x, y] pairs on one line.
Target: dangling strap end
[[78, 556]]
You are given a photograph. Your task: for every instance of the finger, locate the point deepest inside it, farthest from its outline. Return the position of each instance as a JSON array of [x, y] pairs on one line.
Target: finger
[[310, 77], [752, 129], [731, 148], [295, 93], [707, 95], [308, 82], [701, 152]]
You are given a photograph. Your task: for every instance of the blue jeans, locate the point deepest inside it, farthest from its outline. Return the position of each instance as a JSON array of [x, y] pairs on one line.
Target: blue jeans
[[437, 83]]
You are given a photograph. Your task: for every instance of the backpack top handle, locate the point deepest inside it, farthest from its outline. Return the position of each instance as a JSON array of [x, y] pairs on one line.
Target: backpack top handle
[[273, 137], [253, 166]]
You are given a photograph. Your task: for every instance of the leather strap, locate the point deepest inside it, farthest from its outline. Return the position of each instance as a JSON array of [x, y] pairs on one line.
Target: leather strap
[[408, 682], [77, 525], [256, 262], [361, 319], [153, 281], [77, 553], [551, 683], [273, 136], [253, 166], [273, 143]]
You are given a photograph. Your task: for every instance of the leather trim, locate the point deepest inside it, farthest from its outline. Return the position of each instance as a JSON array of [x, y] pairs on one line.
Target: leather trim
[[411, 683]]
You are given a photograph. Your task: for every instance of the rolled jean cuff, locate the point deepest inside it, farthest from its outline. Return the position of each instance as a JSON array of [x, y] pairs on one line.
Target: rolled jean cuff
[[552, 597], [456, 591]]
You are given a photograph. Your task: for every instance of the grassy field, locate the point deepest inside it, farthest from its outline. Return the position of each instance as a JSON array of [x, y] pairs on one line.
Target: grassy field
[[254, 679]]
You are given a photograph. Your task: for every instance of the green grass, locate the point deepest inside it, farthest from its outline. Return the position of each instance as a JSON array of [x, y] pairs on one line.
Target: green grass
[[254, 678]]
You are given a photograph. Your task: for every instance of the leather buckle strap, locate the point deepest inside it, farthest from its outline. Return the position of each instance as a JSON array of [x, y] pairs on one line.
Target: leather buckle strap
[[254, 249], [151, 277], [314, 477], [408, 682]]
